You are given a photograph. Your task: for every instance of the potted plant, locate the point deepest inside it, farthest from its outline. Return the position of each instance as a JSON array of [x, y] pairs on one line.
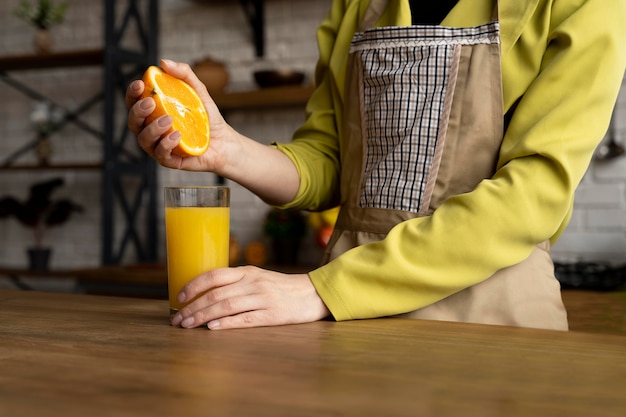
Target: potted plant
[[285, 228], [39, 212], [43, 14]]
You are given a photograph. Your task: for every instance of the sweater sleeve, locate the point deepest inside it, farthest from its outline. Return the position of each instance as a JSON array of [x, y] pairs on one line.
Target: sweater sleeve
[[558, 121], [314, 148]]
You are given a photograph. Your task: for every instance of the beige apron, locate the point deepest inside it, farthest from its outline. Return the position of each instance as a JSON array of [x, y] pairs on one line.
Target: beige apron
[[421, 145]]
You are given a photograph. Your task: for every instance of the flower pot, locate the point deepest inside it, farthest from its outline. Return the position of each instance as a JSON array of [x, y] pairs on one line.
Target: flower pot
[[213, 74], [43, 42], [39, 259], [43, 149]]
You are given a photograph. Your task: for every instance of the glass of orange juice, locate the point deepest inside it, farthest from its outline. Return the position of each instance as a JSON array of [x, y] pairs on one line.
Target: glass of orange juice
[[197, 230]]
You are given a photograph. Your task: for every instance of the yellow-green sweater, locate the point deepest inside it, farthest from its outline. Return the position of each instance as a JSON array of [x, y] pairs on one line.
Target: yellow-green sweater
[[563, 62]]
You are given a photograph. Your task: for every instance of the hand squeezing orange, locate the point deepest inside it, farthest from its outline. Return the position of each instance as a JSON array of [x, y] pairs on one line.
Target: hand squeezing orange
[[177, 99]]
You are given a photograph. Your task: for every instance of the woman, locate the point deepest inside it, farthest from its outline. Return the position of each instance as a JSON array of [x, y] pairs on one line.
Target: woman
[[454, 151]]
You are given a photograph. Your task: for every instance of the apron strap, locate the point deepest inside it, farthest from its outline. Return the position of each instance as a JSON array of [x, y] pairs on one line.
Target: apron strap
[[372, 14], [495, 16]]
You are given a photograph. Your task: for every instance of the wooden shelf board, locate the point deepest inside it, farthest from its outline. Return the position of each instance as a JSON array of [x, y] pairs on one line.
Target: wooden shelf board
[[52, 167], [264, 98], [25, 272], [85, 57], [150, 275]]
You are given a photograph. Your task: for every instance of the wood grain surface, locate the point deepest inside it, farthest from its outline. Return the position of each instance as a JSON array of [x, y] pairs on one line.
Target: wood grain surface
[[84, 355], [596, 311]]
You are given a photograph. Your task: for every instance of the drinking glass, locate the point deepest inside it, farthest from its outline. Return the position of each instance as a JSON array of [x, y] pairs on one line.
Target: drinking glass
[[197, 229]]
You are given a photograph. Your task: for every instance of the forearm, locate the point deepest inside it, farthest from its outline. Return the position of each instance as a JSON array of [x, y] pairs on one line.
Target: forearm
[[466, 240], [264, 170]]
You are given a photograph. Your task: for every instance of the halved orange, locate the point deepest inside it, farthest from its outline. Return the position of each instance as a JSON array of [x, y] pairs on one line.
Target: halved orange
[[177, 99]]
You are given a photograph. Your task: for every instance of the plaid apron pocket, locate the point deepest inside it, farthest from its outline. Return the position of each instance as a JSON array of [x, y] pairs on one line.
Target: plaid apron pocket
[[408, 82]]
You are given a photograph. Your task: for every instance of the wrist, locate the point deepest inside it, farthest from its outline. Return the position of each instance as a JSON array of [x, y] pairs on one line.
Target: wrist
[[235, 160]]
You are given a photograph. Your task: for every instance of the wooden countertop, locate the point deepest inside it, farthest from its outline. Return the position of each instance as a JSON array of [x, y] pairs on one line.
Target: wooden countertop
[[588, 311], [596, 311], [84, 355]]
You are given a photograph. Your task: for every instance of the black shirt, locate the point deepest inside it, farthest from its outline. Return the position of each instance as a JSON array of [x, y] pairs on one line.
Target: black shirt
[[430, 12]]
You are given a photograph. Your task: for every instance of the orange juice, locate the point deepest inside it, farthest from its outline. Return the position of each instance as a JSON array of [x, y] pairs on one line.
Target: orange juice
[[197, 241]]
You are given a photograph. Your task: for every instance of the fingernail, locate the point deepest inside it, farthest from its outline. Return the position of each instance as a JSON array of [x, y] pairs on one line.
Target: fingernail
[[177, 319], [181, 295], [213, 324], [187, 322], [145, 104], [165, 121], [167, 61], [174, 137]]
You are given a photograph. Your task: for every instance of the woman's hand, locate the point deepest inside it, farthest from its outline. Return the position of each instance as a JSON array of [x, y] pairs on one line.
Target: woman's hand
[[265, 171], [151, 138], [248, 296]]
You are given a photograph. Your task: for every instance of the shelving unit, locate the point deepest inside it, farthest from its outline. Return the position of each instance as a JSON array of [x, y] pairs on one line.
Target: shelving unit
[[68, 59], [139, 18], [130, 210], [121, 162]]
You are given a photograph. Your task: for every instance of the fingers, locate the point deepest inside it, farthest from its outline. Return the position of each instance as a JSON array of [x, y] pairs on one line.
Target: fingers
[[133, 92], [248, 297], [240, 311], [158, 141], [218, 277], [155, 138], [150, 136], [138, 113], [213, 296], [138, 109], [254, 318], [217, 294]]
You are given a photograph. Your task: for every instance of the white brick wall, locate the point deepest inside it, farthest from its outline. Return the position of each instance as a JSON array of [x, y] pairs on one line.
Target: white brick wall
[[191, 31]]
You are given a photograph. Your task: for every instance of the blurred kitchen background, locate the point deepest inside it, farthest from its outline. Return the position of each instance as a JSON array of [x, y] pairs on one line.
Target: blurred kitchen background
[[245, 36]]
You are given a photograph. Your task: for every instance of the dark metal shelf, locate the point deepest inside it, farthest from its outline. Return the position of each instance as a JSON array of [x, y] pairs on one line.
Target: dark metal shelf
[[255, 15]]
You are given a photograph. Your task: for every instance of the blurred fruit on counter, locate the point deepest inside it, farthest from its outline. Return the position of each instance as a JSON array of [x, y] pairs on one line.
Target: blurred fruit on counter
[[234, 251], [323, 223], [256, 253]]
